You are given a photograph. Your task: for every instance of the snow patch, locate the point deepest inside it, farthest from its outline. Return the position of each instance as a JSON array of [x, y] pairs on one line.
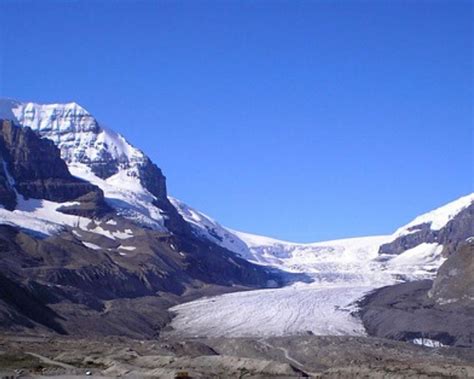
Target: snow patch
[[92, 246], [129, 248], [426, 342]]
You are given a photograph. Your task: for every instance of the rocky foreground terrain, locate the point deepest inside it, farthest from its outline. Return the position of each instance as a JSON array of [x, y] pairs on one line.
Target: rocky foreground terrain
[[279, 357]]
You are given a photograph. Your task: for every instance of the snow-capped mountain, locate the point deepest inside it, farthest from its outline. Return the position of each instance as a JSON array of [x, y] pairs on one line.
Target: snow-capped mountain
[[79, 137], [88, 236], [446, 226], [131, 183]]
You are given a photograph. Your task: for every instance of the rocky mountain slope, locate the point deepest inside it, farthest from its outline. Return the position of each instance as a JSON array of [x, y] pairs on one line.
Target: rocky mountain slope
[[448, 226], [432, 313], [440, 310], [88, 234]]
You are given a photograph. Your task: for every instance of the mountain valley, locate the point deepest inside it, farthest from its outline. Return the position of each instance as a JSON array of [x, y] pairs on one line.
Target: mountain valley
[[93, 248]]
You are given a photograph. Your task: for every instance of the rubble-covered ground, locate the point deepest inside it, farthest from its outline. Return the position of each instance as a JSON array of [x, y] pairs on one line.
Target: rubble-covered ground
[[277, 357]]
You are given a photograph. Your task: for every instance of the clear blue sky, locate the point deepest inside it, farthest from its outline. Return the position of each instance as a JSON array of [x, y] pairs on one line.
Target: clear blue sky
[[302, 120]]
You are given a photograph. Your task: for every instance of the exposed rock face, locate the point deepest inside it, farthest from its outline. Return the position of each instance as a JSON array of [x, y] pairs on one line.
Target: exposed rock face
[[153, 179], [456, 230], [91, 204], [454, 283], [7, 192], [37, 168], [442, 310]]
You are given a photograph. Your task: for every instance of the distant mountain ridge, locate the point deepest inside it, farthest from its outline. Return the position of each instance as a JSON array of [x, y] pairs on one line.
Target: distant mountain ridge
[[413, 250]]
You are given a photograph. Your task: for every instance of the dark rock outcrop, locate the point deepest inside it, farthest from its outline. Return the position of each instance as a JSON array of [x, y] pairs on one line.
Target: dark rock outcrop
[[38, 172], [92, 204], [153, 179], [454, 283], [7, 192], [37, 168]]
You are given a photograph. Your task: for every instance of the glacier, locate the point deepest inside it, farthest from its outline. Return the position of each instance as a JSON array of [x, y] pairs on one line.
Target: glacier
[[342, 272]]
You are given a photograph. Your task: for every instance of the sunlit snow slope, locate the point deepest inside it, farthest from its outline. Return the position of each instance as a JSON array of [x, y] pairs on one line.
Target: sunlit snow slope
[[437, 218]]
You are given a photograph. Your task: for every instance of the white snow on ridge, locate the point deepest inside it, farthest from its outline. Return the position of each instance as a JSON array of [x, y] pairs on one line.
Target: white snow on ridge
[[92, 246], [208, 228], [437, 218], [128, 248], [347, 260], [426, 342], [289, 256]]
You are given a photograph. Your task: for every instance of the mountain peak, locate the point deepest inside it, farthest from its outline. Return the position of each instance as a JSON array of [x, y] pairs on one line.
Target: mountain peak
[[98, 155], [78, 135]]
